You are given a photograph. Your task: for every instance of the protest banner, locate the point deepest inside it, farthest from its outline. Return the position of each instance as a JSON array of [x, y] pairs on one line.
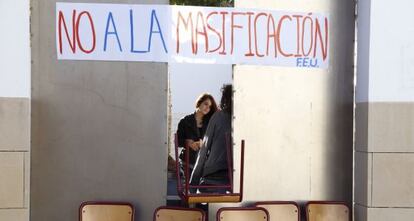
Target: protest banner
[[212, 35]]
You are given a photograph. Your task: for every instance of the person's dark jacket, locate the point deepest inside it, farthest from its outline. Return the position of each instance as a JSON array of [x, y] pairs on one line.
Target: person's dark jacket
[[187, 129], [212, 156]]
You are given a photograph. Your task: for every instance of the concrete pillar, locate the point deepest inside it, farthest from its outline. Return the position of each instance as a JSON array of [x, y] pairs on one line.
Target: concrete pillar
[[384, 144]]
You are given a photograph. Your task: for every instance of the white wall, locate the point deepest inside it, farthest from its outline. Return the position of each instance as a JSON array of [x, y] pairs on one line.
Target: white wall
[[15, 48], [363, 43], [391, 57], [188, 81]]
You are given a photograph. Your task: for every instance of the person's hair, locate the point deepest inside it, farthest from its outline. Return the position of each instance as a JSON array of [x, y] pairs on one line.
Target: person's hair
[[226, 103], [213, 107]]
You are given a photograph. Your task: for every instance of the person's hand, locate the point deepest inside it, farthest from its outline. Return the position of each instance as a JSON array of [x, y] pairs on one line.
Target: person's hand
[[195, 145], [201, 144]]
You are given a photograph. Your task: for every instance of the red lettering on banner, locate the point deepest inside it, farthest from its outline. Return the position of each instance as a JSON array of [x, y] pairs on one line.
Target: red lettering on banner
[[298, 46], [75, 32], [200, 18], [279, 27], [204, 29], [250, 53], [223, 27], [255, 32], [273, 35], [324, 44], [307, 18], [215, 31], [72, 43], [186, 24], [233, 26], [93, 32]]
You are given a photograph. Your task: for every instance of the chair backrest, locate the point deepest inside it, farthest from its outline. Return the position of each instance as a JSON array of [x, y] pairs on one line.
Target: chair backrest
[[166, 213], [242, 214], [106, 211], [326, 211], [281, 210]]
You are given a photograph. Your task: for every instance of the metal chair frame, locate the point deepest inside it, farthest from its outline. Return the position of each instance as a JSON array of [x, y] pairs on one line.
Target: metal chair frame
[[183, 190]]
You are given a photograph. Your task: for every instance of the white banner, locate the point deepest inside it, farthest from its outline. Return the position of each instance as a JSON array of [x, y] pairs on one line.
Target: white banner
[[163, 33]]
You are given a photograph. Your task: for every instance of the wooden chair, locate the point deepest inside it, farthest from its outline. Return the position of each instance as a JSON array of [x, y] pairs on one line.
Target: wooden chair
[[242, 214], [166, 213], [327, 211], [281, 210], [106, 211]]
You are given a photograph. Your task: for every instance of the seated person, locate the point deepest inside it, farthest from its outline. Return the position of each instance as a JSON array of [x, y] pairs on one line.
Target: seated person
[[211, 167], [192, 127]]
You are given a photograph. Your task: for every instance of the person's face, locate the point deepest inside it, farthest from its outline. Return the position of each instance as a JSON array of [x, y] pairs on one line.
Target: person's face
[[205, 106]]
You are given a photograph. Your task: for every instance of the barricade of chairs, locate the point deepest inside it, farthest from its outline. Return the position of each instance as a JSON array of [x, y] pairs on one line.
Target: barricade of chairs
[[260, 211]]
